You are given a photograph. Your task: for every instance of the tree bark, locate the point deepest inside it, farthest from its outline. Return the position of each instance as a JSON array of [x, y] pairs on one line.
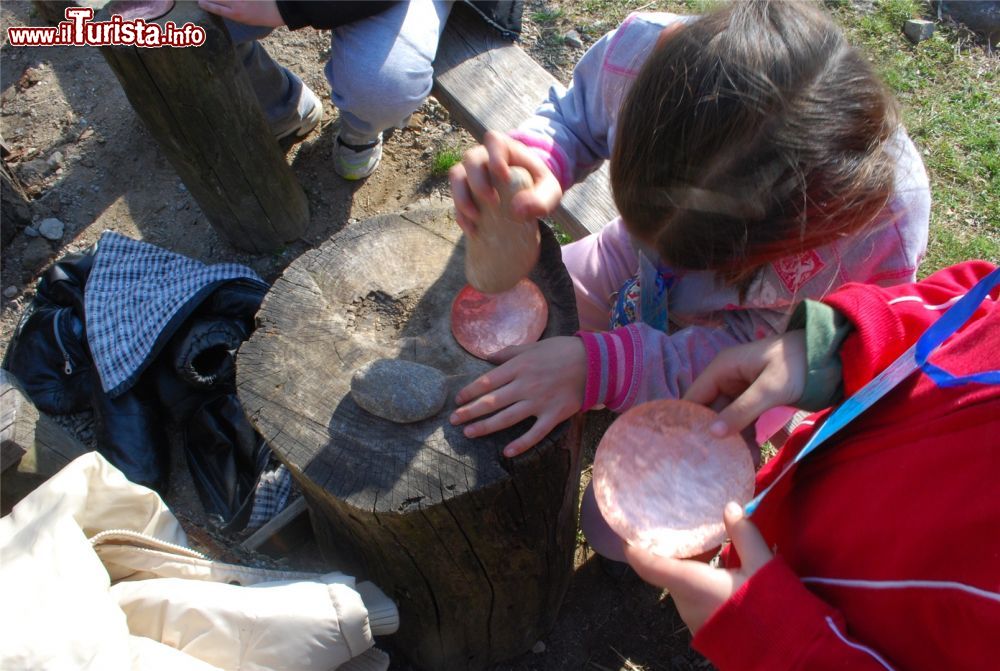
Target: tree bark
[[475, 548]]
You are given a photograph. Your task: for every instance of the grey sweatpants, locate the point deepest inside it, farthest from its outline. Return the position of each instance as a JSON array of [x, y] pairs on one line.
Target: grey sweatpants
[[379, 69]]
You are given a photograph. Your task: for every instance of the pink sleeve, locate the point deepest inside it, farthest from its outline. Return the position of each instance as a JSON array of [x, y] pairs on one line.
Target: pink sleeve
[[637, 363]]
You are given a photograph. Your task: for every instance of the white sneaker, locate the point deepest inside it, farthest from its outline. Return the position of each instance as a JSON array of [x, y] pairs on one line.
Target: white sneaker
[[310, 114], [353, 161]]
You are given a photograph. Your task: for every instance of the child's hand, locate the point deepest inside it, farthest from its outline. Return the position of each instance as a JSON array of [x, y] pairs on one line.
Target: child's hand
[[543, 380], [250, 12], [698, 589], [489, 163], [759, 375]]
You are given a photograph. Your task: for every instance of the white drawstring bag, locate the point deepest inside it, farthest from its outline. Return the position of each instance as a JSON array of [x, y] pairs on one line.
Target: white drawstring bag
[[95, 574]]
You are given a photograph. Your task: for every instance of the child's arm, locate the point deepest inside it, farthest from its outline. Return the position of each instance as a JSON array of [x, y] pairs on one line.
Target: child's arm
[[757, 616], [569, 132], [554, 379], [637, 363]]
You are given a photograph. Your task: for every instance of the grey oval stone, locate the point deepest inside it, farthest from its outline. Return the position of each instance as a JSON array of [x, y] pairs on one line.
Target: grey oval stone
[[51, 228], [400, 391]]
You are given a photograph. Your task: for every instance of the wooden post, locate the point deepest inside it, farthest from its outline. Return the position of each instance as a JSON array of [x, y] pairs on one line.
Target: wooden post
[[476, 549], [487, 83], [199, 105]]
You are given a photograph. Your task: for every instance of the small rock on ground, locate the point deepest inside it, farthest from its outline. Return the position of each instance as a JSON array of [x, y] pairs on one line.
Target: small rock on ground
[[51, 228], [400, 391], [918, 30], [572, 38], [10, 291]]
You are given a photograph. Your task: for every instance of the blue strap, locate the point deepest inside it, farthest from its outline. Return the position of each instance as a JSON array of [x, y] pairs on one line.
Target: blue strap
[[912, 359], [951, 321]]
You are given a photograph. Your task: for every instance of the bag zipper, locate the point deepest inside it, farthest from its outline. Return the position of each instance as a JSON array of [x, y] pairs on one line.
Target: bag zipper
[[68, 367]]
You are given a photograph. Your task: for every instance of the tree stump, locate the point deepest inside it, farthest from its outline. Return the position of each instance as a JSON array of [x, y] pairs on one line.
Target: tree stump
[[199, 105], [33, 447], [476, 549]]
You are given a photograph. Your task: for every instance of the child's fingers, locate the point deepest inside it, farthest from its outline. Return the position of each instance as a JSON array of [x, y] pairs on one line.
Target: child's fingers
[[541, 428], [517, 153], [485, 404], [468, 227], [465, 207], [663, 571], [720, 378], [508, 353], [538, 201], [487, 382], [746, 538], [498, 147], [743, 411], [507, 417], [475, 164], [545, 193]]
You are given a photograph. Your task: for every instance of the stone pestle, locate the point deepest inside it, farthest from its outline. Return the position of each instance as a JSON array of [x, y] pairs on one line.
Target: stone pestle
[[503, 249]]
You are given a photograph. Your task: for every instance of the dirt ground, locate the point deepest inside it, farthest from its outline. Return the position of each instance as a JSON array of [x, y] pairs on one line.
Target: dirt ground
[[85, 159]]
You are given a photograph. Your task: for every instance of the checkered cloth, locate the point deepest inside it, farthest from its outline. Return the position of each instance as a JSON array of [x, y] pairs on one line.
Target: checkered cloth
[[135, 300], [273, 491]]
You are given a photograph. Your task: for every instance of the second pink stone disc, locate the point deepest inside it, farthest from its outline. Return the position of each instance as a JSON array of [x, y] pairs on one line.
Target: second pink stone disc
[[484, 324], [661, 480], [140, 9]]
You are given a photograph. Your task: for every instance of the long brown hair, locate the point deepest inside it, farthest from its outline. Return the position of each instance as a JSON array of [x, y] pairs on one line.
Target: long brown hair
[[752, 133]]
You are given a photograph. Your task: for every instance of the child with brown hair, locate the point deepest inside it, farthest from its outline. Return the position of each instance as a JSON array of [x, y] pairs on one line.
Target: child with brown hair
[[756, 160]]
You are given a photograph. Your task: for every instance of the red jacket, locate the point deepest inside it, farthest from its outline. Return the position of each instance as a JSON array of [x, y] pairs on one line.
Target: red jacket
[[887, 538]]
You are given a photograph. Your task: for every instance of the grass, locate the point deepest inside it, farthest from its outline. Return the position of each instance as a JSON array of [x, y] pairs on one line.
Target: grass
[[547, 15], [562, 237], [947, 88], [444, 159]]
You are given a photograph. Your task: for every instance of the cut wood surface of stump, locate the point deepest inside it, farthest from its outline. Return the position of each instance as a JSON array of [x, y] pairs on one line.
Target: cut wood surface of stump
[[476, 549]]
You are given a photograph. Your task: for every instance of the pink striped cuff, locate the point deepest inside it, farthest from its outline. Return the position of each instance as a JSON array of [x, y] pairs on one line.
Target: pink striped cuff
[[550, 154], [614, 367]]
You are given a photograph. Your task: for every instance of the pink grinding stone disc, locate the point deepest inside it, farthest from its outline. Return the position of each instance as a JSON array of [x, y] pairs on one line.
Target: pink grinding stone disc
[[662, 480], [484, 324], [140, 9]]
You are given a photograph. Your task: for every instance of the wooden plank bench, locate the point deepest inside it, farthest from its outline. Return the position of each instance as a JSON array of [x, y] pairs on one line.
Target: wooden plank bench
[[487, 83]]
